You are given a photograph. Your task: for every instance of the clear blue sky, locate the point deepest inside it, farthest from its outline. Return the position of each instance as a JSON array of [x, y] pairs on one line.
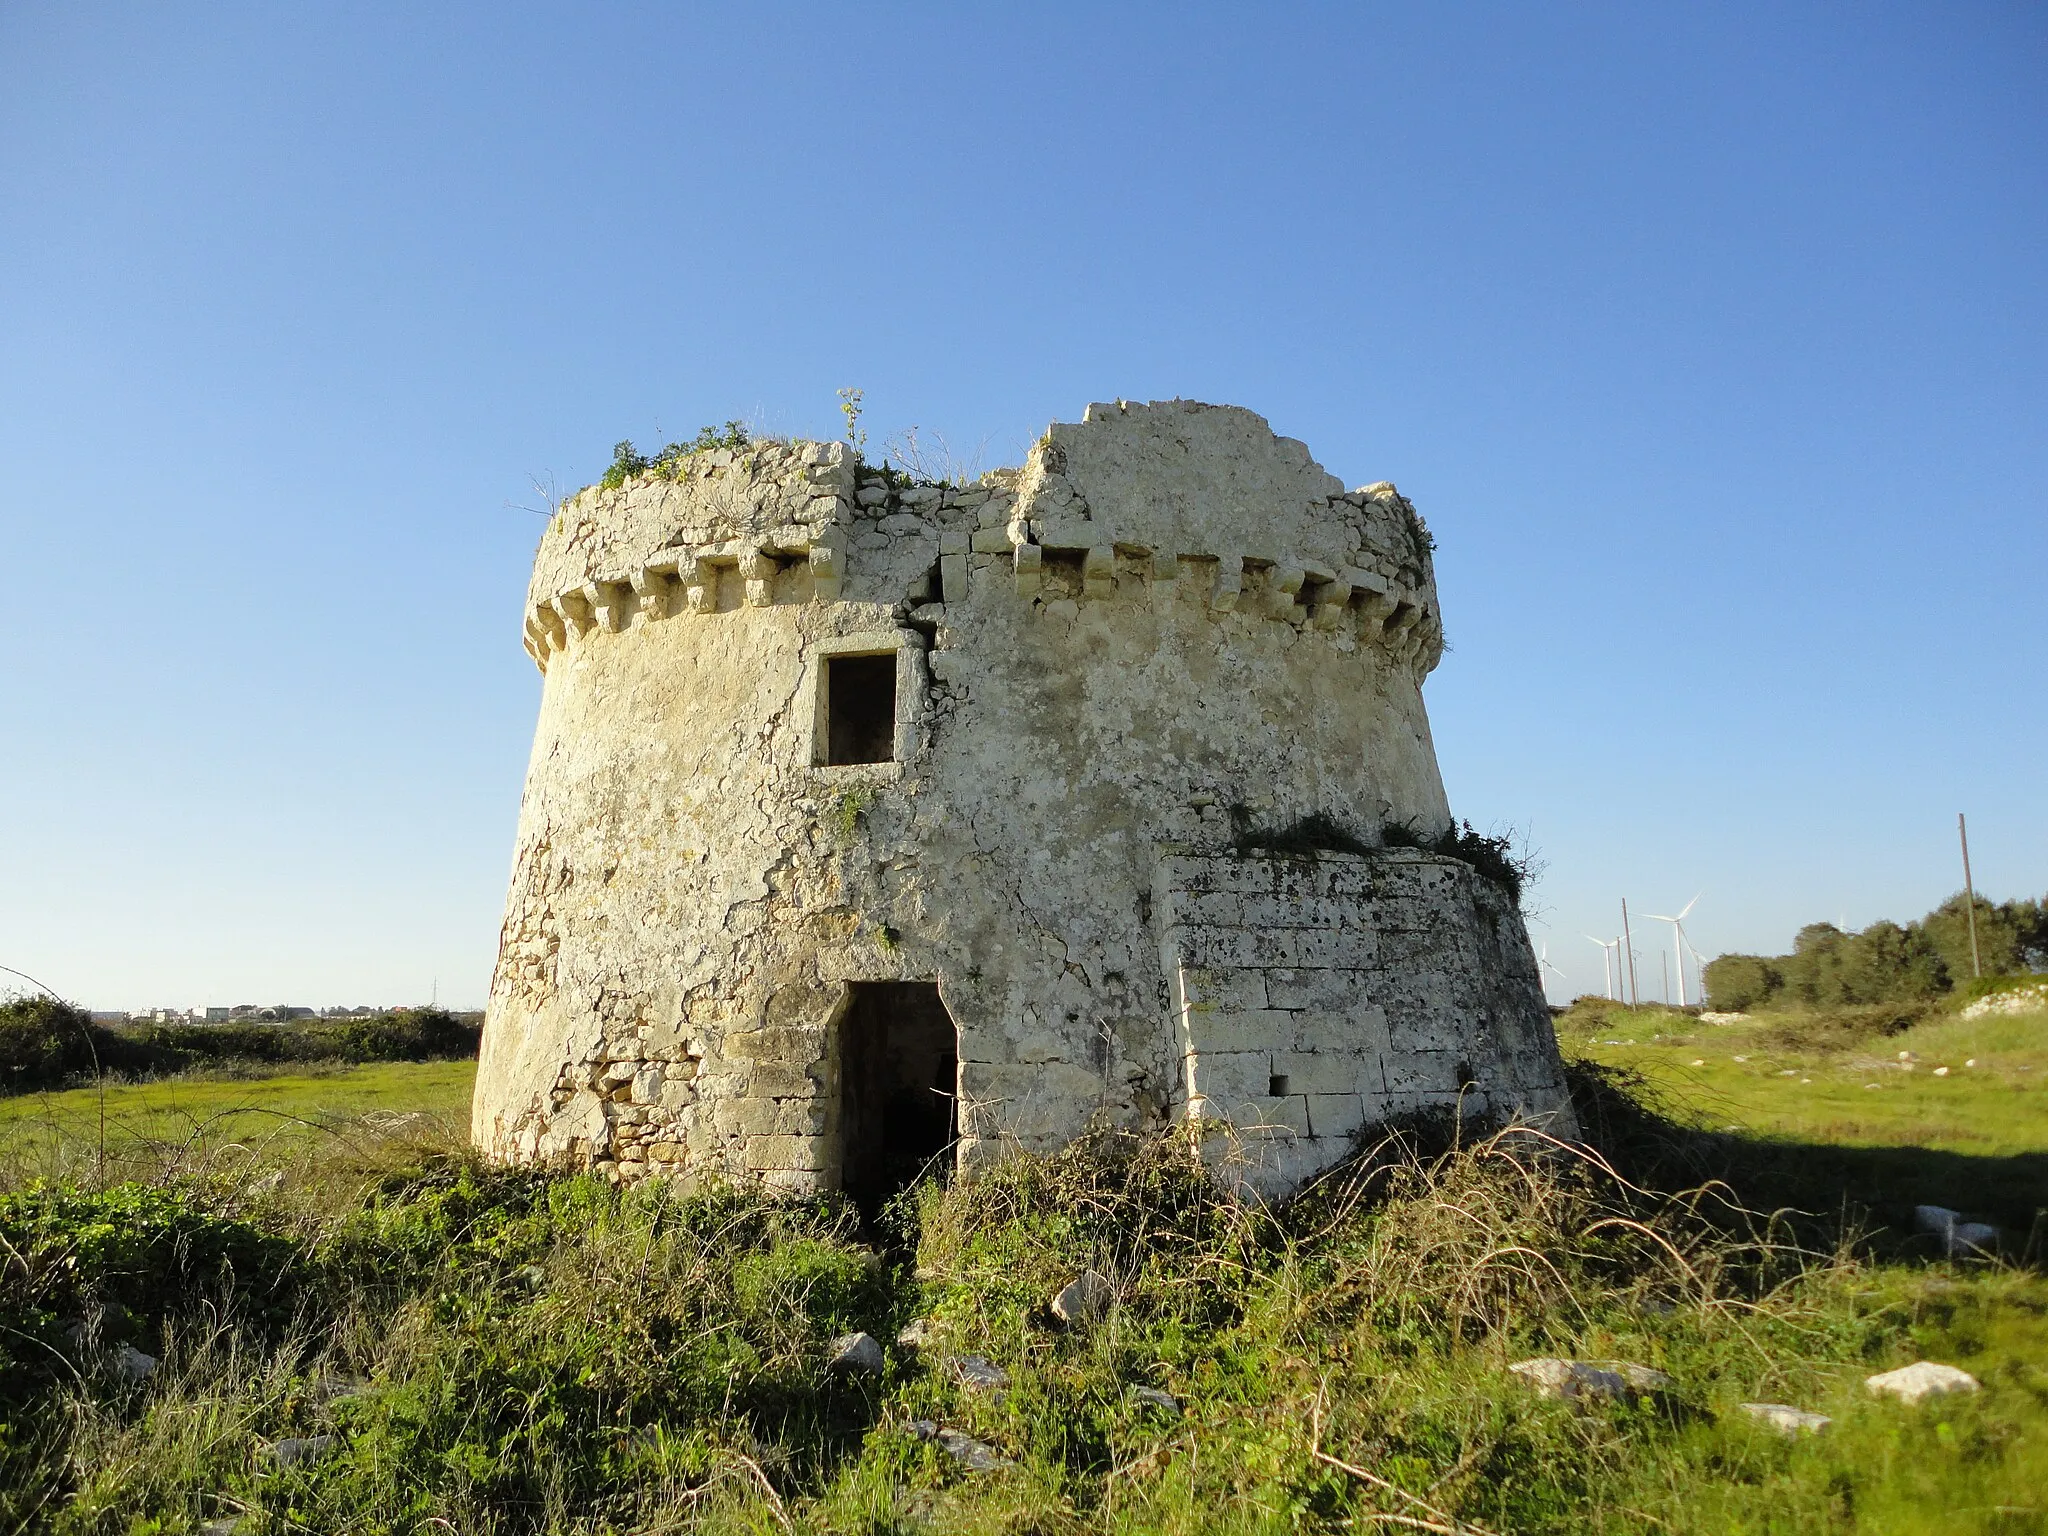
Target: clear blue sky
[[1709, 339]]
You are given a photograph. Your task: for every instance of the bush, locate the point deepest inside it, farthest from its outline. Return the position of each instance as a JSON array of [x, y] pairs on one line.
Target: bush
[[407, 1034], [1492, 856], [45, 1044], [1886, 962], [118, 1262], [1737, 983], [667, 461]]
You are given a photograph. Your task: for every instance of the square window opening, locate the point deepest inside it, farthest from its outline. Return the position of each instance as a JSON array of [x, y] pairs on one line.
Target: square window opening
[[860, 709], [1276, 1086]]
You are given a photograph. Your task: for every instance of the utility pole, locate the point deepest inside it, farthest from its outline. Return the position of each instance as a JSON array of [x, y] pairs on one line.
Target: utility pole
[[1634, 1000], [1969, 896]]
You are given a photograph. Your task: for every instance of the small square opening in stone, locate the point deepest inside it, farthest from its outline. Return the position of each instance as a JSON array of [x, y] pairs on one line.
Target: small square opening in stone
[[860, 709], [1276, 1086]]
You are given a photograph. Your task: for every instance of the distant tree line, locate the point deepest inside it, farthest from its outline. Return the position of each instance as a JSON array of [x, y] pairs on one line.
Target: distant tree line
[[45, 1043], [1885, 963]]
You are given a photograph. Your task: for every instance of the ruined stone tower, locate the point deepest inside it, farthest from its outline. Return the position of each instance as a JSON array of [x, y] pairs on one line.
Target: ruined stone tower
[[871, 822]]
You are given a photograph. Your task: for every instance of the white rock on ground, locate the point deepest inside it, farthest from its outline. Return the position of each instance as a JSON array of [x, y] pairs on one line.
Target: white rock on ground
[[1615, 1380], [860, 1352], [915, 1334], [1922, 1379], [1084, 1300], [1786, 1419]]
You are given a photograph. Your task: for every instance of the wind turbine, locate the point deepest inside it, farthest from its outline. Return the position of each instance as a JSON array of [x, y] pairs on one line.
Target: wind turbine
[[1679, 943], [1606, 974], [1543, 962]]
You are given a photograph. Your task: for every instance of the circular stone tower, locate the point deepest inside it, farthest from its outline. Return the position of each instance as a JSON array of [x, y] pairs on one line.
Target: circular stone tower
[[872, 822]]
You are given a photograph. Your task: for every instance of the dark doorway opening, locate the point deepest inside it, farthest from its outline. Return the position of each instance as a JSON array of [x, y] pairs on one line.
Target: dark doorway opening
[[860, 709], [898, 1074]]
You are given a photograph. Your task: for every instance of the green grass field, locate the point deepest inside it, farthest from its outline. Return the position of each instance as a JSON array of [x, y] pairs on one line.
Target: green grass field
[[493, 1353], [193, 1124], [1951, 1112]]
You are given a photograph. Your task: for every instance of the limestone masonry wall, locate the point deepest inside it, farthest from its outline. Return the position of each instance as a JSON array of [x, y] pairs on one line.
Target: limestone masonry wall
[[1169, 625]]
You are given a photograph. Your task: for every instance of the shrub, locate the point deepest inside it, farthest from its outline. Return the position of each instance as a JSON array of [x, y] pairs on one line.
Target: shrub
[[405, 1034], [667, 461], [1886, 962], [121, 1259], [1492, 856], [1736, 983], [45, 1043]]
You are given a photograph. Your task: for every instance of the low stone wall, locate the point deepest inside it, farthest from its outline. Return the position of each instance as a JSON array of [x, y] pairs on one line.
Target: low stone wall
[[1321, 995]]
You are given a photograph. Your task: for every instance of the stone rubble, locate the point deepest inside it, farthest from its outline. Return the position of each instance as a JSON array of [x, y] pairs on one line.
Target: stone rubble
[[2031, 999]]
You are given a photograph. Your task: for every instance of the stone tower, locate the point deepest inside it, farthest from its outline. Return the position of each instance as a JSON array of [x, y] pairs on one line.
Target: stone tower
[[871, 822]]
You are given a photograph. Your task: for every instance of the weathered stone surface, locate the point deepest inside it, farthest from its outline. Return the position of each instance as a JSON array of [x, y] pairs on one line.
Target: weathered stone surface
[[1083, 1300], [1785, 1419], [1153, 1397], [975, 1455], [1053, 843], [1920, 1380], [858, 1353]]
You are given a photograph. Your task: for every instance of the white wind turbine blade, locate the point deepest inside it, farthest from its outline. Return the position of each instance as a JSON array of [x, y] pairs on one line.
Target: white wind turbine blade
[[1682, 911]]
